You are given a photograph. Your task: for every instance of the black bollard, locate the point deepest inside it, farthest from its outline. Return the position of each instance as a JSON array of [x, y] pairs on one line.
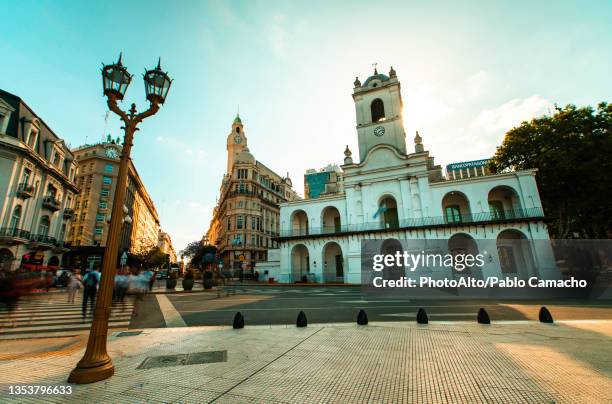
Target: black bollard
[[301, 320], [238, 321], [362, 317], [545, 316], [483, 316], [422, 316]]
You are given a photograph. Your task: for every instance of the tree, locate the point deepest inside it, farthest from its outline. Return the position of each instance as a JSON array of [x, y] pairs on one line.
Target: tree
[[572, 151], [199, 253], [151, 256]]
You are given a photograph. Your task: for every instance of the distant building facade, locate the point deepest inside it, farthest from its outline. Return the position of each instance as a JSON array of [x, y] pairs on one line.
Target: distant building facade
[[392, 194], [96, 180], [37, 186], [164, 242], [246, 217]]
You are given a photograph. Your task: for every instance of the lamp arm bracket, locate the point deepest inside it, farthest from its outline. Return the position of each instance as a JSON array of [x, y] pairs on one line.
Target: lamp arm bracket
[[153, 108], [112, 105]]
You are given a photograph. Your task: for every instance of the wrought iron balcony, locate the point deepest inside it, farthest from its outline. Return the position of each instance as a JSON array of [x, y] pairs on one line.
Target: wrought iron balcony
[[68, 213], [43, 240], [423, 222], [51, 203], [25, 191], [61, 246], [14, 235]]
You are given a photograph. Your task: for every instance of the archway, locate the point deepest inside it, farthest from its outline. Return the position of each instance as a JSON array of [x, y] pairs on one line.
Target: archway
[[387, 213], [300, 262], [504, 203], [391, 246], [456, 208], [514, 252], [330, 220], [377, 108], [6, 259], [53, 261], [462, 245], [333, 263], [299, 223]]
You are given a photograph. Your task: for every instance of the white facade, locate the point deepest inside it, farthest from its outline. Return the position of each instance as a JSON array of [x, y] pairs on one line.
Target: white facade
[[394, 195]]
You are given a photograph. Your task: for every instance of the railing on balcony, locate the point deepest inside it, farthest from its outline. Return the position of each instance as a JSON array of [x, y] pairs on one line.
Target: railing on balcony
[[68, 213], [51, 203], [43, 239], [25, 191], [14, 233], [499, 216]]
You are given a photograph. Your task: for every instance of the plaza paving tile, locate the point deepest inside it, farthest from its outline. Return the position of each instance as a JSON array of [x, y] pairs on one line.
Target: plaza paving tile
[[382, 362]]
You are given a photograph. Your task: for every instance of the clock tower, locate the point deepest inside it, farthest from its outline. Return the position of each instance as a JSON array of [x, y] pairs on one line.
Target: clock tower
[[378, 107], [236, 142]]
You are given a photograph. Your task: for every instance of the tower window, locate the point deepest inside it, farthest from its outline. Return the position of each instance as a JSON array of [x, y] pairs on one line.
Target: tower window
[[237, 129], [378, 110]]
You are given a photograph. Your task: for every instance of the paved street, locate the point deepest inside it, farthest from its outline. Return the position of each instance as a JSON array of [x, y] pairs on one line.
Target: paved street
[[50, 315], [265, 305]]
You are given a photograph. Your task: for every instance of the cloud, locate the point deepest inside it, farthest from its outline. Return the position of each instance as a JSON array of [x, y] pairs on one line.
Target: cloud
[[511, 114], [178, 146]]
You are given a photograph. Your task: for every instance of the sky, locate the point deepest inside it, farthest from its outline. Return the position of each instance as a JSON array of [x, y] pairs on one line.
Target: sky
[[469, 71]]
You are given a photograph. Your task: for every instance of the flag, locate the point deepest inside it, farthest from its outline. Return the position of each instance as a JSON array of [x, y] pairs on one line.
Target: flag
[[381, 209]]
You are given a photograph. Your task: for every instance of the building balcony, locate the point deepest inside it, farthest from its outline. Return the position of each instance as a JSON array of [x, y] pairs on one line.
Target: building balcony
[[50, 203], [41, 241], [25, 191], [61, 247], [424, 222], [13, 236], [68, 213]]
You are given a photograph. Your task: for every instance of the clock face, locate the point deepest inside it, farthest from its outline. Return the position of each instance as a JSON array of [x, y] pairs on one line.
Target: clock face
[[237, 139], [112, 153], [379, 131]]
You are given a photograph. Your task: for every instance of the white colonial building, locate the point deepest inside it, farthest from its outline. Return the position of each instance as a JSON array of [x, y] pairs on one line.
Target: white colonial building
[[394, 194]]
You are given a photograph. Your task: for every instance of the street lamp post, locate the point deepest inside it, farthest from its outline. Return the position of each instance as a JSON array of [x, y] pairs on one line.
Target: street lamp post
[[96, 364]]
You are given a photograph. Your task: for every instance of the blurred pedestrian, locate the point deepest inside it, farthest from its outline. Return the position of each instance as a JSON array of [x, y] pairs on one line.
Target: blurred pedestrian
[[90, 288], [75, 282]]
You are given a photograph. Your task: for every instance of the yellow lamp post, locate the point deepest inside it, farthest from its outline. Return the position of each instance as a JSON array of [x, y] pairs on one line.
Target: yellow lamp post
[[96, 364]]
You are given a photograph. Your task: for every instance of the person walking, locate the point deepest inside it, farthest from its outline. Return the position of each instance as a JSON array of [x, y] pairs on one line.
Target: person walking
[[75, 282], [90, 288]]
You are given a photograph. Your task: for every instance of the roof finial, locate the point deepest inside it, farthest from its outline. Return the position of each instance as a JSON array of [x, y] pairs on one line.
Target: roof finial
[[159, 63], [375, 64], [119, 61]]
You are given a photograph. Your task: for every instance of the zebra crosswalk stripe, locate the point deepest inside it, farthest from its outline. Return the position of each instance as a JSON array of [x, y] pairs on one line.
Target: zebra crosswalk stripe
[[53, 314]]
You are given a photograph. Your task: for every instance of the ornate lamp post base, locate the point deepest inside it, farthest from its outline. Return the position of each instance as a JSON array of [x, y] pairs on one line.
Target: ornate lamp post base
[[84, 375]]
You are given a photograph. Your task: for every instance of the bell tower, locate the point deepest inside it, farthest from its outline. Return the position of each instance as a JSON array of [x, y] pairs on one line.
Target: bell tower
[[236, 142], [378, 108]]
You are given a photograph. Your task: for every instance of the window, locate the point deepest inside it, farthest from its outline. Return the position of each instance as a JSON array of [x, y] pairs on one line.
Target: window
[[56, 158], [43, 226], [253, 222], [378, 110], [108, 168], [239, 222], [98, 230], [16, 217], [32, 137], [99, 217], [229, 223], [26, 176], [453, 214], [107, 180], [104, 192], [102, 205], [497, 210]]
